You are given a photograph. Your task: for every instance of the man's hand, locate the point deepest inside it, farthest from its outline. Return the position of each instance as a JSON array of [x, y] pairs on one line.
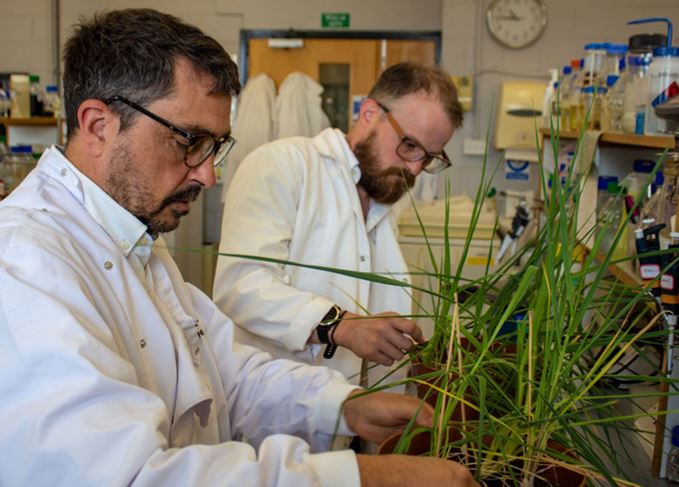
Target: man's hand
[[406, 471], [375, 416], [381, 338]]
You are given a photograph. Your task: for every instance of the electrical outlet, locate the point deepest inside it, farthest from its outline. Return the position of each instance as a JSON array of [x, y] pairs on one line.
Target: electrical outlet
[[474, 147]]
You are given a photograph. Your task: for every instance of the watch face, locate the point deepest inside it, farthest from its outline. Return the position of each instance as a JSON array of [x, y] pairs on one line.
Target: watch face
[[516, 23], [331, 316]]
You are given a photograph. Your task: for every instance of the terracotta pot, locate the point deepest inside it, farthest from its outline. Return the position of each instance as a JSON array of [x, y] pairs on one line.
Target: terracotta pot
[[550, 475]]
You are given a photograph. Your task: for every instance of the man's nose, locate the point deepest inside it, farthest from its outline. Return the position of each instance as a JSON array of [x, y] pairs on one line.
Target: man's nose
[[415, 168], [205, 173]]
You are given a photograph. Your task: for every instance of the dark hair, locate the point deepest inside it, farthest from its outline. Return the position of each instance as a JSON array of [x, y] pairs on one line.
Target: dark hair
[[132, 53], [405, 78]]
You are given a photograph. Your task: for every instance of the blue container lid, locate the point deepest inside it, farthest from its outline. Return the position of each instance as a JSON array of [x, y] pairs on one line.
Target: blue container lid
[[644, 165], [567, 70], [21, 149], [603, 181], [588, 89], [659, 178], [666, 51], [595, 45], [616, 48], [51, 88], [611, 79]]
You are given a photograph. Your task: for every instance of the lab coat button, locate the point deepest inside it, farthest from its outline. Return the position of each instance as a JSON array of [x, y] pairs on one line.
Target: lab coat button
[[63, 171], [363, 258], [108, 265], [142, 343]]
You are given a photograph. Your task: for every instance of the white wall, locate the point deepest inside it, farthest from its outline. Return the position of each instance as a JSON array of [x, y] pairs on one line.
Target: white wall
[[469, 49]]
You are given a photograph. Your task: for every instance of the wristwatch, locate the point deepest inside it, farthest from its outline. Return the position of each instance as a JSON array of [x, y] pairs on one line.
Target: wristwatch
[[326, 328]]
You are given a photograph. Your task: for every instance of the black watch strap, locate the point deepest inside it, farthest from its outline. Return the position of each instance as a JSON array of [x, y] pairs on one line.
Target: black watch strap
[[326, 330]]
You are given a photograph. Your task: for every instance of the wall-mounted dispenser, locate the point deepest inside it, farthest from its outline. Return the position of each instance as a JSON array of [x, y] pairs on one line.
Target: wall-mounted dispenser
[[519, 112]]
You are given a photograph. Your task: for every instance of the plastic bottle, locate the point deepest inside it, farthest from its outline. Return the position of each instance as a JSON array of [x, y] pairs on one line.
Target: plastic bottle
[[36, 96], [663, 85], [52, 105], [614, 62], [19, 87], [591, 106], [22, 162], [602, 194], [663, 78], [595, 53]]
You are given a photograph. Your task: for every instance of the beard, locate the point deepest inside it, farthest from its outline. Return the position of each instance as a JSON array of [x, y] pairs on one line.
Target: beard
[[384, 186], [127, 187]]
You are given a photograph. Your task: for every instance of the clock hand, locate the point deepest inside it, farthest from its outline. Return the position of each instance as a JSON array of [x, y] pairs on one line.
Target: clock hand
[[513, 15]]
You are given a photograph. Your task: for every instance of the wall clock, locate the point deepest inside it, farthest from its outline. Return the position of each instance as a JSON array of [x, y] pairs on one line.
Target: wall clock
[[516, 23]]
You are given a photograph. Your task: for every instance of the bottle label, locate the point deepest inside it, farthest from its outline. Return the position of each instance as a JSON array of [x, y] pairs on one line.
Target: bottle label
[[649, 271], [670, 92], [667, 282]]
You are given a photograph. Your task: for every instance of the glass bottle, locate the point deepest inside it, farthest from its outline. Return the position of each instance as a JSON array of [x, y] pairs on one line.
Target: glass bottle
[[635, 94]]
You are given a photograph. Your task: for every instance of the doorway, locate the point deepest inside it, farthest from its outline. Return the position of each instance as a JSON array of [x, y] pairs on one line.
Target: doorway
[[346, 64]]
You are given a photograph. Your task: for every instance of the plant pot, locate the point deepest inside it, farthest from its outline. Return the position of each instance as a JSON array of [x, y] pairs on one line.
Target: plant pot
[[431, 395], [550, 475]]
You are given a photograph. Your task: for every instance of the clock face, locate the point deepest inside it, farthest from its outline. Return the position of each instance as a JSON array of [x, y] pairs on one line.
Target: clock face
[[516, 23]]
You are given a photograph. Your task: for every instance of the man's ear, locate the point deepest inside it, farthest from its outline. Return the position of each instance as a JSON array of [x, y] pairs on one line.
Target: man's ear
[[97, 124], [370, 111]]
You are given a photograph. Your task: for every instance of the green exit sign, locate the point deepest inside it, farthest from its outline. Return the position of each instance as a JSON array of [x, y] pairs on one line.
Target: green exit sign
[[335, 20]]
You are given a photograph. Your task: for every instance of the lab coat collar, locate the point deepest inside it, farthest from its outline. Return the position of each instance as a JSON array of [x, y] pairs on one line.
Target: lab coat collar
[[124, 228], [332, 143]]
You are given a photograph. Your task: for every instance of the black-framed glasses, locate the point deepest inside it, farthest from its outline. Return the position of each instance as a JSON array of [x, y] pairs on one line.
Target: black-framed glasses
[[412, 151], [199, 148]]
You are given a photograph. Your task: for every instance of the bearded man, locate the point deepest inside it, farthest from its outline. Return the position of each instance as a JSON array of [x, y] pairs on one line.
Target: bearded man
[[327, 201]]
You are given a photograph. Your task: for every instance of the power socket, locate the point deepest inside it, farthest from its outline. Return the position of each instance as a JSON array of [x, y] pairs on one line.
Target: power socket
[[474, 147]]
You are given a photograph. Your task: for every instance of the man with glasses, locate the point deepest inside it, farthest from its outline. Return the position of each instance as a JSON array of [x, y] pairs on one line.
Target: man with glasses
[[327, 201], [114, 371]]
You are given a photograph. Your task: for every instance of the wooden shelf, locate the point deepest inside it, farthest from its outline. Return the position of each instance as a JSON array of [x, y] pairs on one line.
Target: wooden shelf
[[617, 138], [623, 272], [29, 122]]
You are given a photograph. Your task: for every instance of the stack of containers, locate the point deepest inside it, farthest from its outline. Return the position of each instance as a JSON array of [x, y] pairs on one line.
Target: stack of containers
[[663, 75]]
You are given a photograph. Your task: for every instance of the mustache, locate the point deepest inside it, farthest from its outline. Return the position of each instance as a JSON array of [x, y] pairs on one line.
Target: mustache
[[188, 194], [406, 176]]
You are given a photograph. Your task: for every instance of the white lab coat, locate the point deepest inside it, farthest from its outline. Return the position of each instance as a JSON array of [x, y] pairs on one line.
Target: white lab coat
[[296, 199], [254, 123], [104, 383], [298, 107]]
